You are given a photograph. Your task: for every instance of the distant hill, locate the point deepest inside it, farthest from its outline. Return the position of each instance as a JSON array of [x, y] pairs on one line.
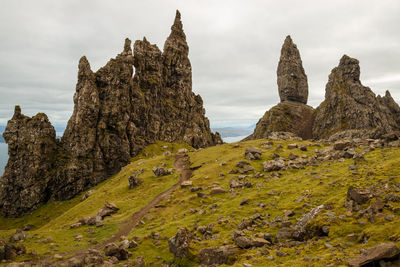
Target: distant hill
[[234, 131]]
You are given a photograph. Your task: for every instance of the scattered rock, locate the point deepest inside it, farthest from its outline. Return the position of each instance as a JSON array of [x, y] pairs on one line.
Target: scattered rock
[[217, 190], [18, 236], [274, 165], [161, 171], [113, 250], [252, 153], [107, 210], [186, 184], [359, 195], [242, 241], [373, 256], [302, 231], [180, 243], [218, 255]]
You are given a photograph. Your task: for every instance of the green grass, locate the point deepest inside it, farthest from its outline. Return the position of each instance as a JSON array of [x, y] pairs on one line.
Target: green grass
[[297, 190]]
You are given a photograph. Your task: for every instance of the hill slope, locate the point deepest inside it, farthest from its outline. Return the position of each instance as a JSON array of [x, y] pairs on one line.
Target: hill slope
[[264, 208]]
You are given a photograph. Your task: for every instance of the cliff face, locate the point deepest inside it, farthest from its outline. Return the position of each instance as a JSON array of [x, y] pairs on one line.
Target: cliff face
[[292, 114], [115, 115], [349, 105]]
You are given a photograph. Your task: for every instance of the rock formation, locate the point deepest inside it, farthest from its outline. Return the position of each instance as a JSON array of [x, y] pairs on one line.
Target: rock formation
[[115, 115], [292, 80], [292, 114], [349, 105]]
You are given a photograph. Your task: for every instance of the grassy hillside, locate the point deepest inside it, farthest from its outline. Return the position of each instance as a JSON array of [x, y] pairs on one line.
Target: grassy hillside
[[297, 190]]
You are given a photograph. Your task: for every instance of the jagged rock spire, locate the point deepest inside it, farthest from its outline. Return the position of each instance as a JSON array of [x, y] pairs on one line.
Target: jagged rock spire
[[292, 80]]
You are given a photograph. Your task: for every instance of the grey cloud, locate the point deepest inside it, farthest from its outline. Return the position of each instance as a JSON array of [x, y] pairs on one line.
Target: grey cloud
[[234, 48]]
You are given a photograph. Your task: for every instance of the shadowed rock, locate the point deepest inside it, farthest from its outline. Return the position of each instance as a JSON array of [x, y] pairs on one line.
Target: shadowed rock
[[115, 115]]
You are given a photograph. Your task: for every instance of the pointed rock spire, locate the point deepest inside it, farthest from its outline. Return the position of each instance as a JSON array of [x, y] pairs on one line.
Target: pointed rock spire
[[84, 69], [349, 69], [177, 27], [292, 80], [17, 111]]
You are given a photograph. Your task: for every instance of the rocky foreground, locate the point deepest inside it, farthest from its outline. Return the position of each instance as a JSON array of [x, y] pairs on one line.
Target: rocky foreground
[[269, 202], [115, 115]]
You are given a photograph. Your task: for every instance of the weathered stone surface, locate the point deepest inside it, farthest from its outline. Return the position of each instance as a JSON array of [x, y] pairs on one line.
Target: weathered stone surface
[[242, 241], [359, 195], [301, 231], [115, 115], [371, 257], [274, 165], [18, 236], [107, 210], [179, 244], [252, 153], [217, 255], [32, 150], [287, 116], [292, 80], [161, 171], [350, 105], [114, 250]]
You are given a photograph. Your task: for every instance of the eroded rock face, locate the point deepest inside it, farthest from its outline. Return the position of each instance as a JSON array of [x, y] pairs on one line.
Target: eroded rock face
[[287, 116], [179, 244], [115, 115], [292, 114], [32, 150], [292, 80], [350, 105]]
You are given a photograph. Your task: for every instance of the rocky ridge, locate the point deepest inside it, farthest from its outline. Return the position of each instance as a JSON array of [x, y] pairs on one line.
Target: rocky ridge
[[115, 115], [350, 110]]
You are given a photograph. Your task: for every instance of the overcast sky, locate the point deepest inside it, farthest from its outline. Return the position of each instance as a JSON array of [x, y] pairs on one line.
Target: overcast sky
[[234, 48]]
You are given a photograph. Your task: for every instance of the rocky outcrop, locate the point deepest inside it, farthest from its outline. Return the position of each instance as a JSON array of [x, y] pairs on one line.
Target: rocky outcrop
[[115, 115], [292, 114], [179, 244], [287, 116], [381, 255], [292, 80], [349, 105], [32, 150]]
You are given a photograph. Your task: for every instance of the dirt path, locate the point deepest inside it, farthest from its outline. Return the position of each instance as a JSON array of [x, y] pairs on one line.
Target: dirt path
[[182, 166]]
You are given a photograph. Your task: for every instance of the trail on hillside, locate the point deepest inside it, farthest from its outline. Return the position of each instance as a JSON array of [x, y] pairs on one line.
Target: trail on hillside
[[182, 164]]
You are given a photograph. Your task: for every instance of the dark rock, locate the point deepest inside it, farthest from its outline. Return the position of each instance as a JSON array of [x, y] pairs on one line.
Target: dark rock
[[349, 105], [252, 153], [372, 256], [292, 80], [341, 144], [218, 255], [18, 236], [359, 195], [133, 180], [161, 171], [287, 116], [113, 250], [107, 210], [180, 243], [114, 117]]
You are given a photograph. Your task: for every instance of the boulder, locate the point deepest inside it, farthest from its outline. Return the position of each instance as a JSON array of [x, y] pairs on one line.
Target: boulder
[[113, 250], [359, 195], [161, 171], [374, 256], [242, 241], [180, 243], [217, 255], [303, 231], [18, 236], [252, 153], [107, 210], [217, 190], [185, 184], [274, 165]]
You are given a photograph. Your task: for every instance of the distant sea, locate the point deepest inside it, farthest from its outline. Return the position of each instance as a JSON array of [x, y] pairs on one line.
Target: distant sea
[[234, 139], [3, 157]]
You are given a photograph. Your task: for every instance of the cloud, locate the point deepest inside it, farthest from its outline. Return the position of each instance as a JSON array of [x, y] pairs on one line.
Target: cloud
[[234, 48]]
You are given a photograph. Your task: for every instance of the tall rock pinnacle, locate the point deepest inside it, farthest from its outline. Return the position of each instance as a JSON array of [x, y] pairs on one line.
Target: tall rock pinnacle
[[292, 80], [115, 115]]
